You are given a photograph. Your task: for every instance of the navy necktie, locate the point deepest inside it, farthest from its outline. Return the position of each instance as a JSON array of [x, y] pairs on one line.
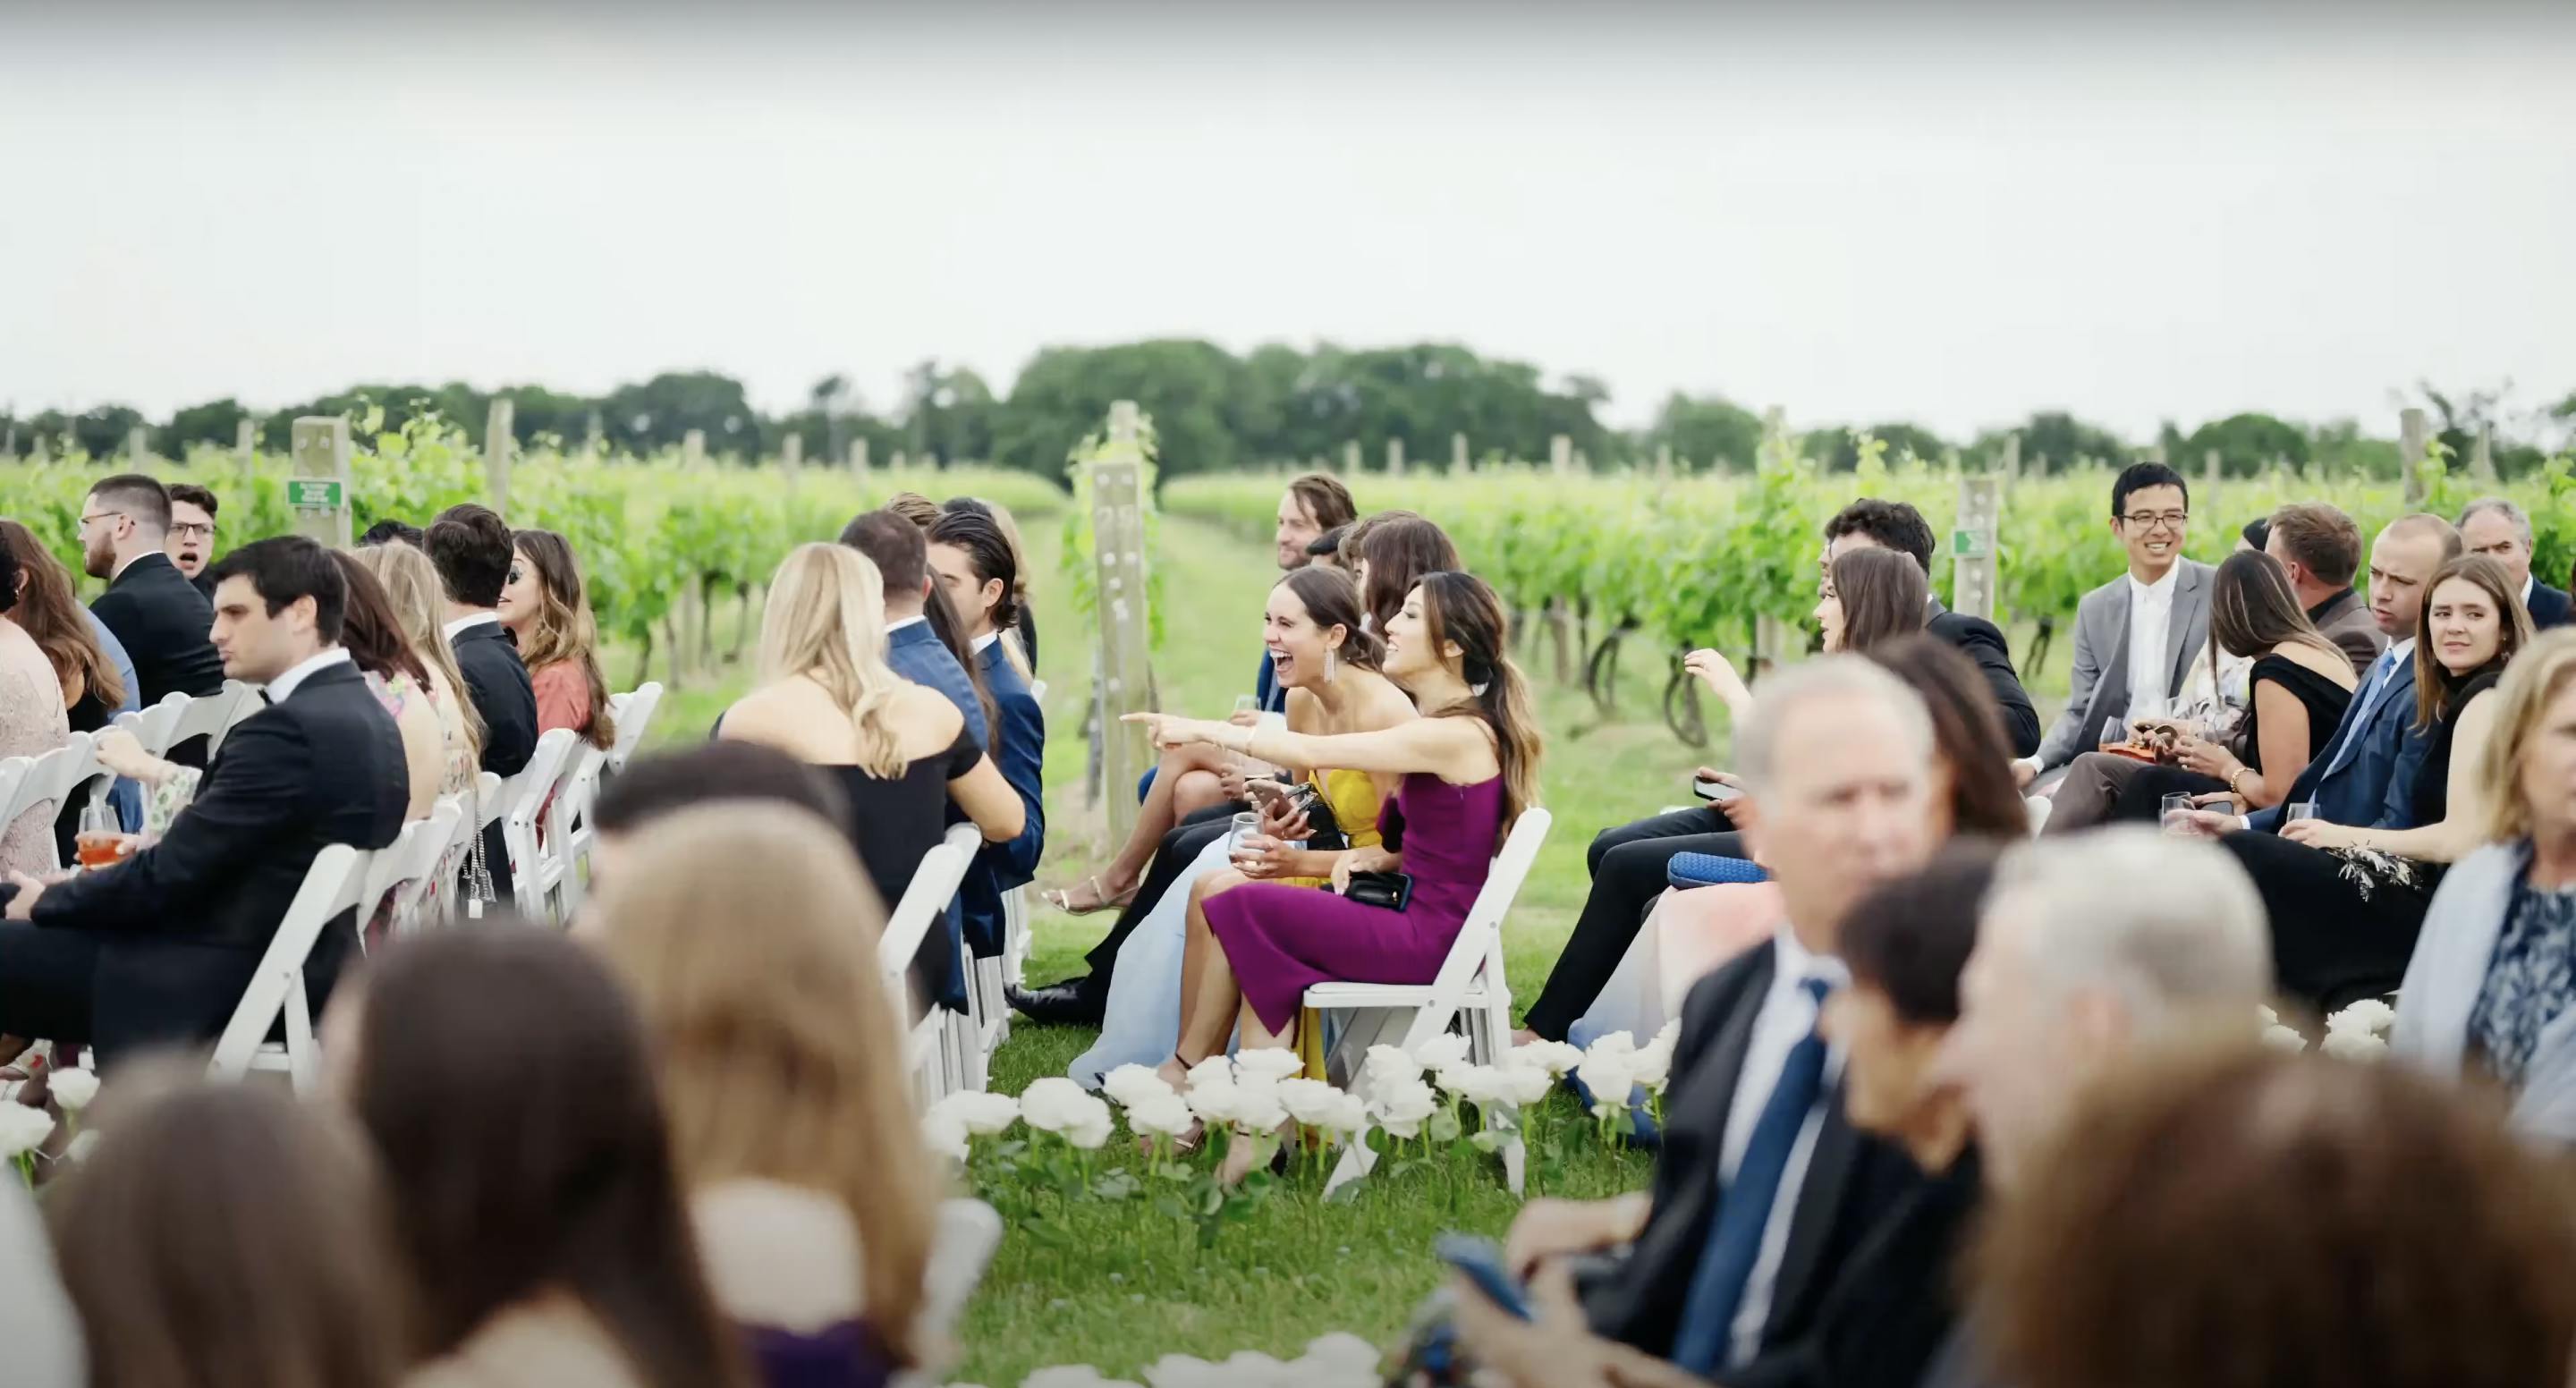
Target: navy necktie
[[1744, 1209]]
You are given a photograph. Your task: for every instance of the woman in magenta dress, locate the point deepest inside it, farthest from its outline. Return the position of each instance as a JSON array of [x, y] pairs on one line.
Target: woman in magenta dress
[[1470, 766]]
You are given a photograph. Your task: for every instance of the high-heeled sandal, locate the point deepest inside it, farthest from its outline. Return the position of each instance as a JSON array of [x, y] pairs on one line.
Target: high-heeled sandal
[[1062, 900]]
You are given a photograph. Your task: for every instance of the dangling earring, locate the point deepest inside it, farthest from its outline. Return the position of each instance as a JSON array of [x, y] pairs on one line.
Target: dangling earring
[[1332, 664]]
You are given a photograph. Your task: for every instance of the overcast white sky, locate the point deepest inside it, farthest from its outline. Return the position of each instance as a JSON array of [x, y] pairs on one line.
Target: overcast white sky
[[1952, 221]]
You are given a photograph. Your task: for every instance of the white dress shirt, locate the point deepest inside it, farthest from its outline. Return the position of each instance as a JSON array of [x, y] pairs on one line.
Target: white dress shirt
[[1786, 1018], [902, 622], [979, 643], [2527, 582], [464, 623], [2150, 622], [285, 684]]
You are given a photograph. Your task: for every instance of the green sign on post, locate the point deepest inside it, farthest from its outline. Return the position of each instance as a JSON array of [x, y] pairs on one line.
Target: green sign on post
[[315, 494], [1968, 544]]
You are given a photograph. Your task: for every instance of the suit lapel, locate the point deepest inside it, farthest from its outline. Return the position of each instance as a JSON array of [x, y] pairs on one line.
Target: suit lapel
[[1820, 1197], [2189, 600], [1710, 1103]]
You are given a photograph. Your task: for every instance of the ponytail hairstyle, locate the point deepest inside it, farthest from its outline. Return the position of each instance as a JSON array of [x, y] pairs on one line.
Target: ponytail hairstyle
[[1332, 600], [1400, 548], [990, 555], [951, 631], [1458, 608]]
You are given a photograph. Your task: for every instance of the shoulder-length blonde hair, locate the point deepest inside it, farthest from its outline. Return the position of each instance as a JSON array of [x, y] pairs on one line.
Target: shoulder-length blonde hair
[[826, 622], [2535, 679], [778, 1045], [411, 585]]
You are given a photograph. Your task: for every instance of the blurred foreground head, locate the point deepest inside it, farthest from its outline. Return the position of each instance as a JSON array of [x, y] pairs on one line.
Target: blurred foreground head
[[2245, 1217]]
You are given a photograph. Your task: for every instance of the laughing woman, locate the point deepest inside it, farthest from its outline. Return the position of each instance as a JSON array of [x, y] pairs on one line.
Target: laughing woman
[[1469, 767], [1329, 665]]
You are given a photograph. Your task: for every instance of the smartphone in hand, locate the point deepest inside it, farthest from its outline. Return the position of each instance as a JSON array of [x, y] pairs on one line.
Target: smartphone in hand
[[1481, 1259], [1714, 792]]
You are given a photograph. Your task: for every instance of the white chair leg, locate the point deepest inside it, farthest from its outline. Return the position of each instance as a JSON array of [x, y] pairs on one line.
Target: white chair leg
[[301, 1067]]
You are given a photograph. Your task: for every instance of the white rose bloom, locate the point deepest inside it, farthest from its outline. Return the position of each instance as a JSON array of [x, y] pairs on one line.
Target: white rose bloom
[[82, 1145], [2270, 1018], [941, 1132], [1341, 1351], [1527, 1084], [1270, 1063], [1653, 1066], [1168, 1116], [2283, 1038], [2368, 1017], [1065, 1376], [1053, 1104], [1477, 1084], [1216, 1069], [1610, 1077], [1255, 1367], [73, 1089], [1441, 1052], [1389, 1065], [1257, 1108], [1215, 1104], [1133, 1084], [980, 1115], [1553, 1057], [1402, 1111], [2353, 1045], [1349, 1114], [1089, 1130], [23, 1129], [1307, 1101], [1615, 1043], [1181, 1371]]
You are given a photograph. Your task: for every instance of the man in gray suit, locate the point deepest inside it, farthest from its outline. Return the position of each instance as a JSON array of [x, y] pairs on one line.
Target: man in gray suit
[[2136, 635], [2320, 548]]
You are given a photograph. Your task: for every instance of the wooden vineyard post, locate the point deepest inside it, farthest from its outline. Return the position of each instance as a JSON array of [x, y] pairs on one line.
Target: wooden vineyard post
[[1560, 456], [317, 483], [2482, 455], [1457, 455], [859, 459], [2212, 472], [138, 445], [496, 455], [791, 452], [1972, 546], [693, 447], [1395, 457], [2410, 455], [1118, 560], [1350, 457], [245, 440], [2012, 456], [1663, 462], [594, 441]]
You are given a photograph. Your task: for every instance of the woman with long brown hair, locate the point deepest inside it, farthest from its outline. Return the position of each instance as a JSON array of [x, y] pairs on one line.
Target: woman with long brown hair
[[543, 606], [48, 610], [228, 1235], [2347, 900], [1869, 596], [536, 1209], [1395, 550], [1469, 766], [789, 1102]]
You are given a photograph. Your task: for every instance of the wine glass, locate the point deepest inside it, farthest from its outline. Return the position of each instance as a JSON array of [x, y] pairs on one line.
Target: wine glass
[[1242, 827]]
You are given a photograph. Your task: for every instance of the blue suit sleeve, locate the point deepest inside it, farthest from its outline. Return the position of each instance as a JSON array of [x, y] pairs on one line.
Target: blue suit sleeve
[[253, 787], [2397, 811], [1023, 757]]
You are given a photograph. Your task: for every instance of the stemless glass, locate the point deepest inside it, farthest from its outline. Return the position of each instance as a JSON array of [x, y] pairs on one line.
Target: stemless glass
[[2176, 816], [2115, 734], [101, 839], [2301, 809], [1243, 827], [1243, 704]]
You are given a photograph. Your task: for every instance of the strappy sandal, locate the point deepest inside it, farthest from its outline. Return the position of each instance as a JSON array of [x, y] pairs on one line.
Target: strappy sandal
[[1101, 900]]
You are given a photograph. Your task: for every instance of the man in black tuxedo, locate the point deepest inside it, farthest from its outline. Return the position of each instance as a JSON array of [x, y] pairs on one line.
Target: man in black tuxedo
[[159, 948], [157, 615], [191, 545], [2501, 531], [1628, 862], [471, 546], [1764, 1191]]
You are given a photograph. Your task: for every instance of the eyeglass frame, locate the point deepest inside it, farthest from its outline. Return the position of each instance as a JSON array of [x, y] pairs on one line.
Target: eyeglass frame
[[2170, 520], [187, 528], [104, 515]]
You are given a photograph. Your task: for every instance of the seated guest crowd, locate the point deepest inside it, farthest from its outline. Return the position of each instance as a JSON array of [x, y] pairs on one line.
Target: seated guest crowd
[[1952, 1103]]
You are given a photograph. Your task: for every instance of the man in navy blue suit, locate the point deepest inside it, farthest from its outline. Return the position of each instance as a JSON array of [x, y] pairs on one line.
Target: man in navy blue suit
[[974, 565], [902, 556], [2501, 531]]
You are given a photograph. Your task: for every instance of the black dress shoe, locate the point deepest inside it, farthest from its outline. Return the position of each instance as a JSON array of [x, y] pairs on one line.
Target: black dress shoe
[[1060, 1004]]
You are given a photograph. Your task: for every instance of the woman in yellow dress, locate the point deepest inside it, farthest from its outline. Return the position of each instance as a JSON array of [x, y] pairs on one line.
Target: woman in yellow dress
[[1329, 666]]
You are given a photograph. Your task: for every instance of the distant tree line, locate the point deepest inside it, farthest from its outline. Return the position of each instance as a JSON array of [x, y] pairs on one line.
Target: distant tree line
[[1216, 411]]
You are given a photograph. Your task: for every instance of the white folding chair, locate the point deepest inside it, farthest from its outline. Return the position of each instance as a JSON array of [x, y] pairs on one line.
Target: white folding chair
[[634, 715], [406, 870], [924, 908], [460, 844], [331, 886], [214, 715], [1470, 984], [156, 727], [523, 796], [560, 853], [51, 782], [961, 1249], [976, 1033], [13, 774]]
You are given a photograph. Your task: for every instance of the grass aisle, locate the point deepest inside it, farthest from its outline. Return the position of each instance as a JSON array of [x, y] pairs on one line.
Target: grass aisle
[[1120, 1285]]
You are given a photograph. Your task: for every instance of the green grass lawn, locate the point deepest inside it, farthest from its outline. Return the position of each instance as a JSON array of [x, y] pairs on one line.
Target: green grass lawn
[[1119, 1285]]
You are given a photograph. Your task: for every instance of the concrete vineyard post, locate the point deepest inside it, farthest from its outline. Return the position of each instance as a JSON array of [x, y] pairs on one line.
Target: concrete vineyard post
[[859, 458], [2211, 474], [2482, 455], [1351, 458], [245, 440], [1395, 457], [1663, 462], [138, 445], [2012, 456], [317, 483], [594, 440], [1457, 455], [791, 452], [496, 456], [1560, 456], [2410, 455], [1118, 558], [693, 447], [1972, 546]]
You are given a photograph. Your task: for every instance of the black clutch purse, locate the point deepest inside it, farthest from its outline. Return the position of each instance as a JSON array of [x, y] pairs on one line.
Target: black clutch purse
[[1323, 831], [1391, 890]]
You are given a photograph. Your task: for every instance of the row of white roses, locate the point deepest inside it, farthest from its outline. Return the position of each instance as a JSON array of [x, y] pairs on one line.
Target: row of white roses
[[23, 1130], [2359, 1032], [1259, 1091], [1334, 1361]]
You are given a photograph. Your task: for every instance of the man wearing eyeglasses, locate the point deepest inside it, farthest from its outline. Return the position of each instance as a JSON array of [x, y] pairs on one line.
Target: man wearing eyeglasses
[[158, 616], [191, 545], [2135, 636]]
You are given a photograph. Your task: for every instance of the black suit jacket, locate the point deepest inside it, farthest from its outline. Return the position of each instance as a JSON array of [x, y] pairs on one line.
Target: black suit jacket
[[182, 924], [2548, 607], [166, 626], [497, 681], [1983, 643], [1853, 1184]]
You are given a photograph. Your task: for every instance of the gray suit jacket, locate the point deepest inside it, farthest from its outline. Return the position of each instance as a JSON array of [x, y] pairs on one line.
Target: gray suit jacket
[[2345, 620], [2101, 682]]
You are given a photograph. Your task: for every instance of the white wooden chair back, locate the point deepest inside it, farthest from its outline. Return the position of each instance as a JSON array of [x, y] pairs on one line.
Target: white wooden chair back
[[924, 908], [523, 796], [13, 774], [973, 1035], [52, 781], [333, 885], [961, 1249], [157, 727], [460, 845], [214, 715], [409, 868], [634, 715], [560, 851], [1471, 981]]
